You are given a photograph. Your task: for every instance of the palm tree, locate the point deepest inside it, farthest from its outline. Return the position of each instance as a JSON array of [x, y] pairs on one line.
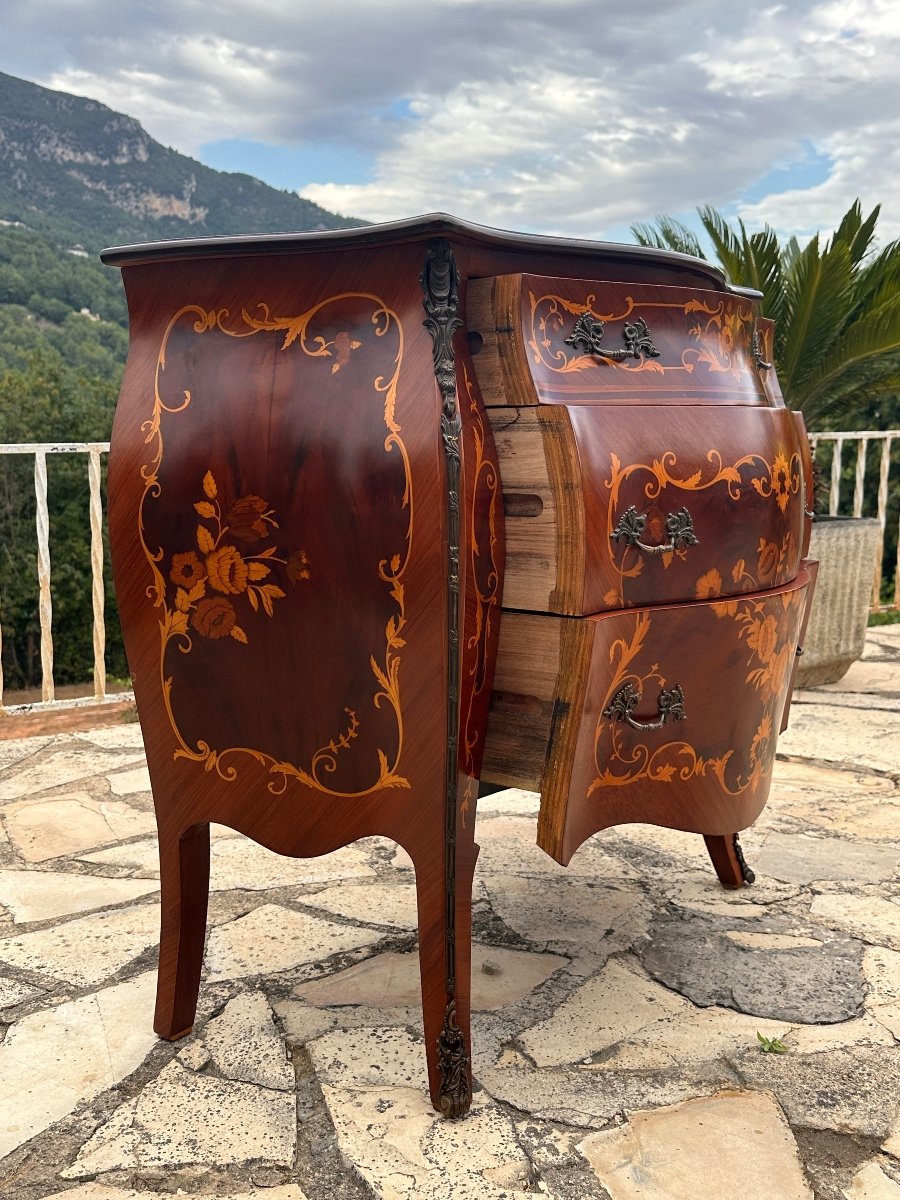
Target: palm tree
[[836, 308]]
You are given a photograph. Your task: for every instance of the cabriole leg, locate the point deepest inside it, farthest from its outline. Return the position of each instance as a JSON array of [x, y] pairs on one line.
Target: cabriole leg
[[445, 936], [728, 860], [184, 881]]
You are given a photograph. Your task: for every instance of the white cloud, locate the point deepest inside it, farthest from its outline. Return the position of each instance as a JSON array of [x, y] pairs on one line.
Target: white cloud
[[866, 164], [572, 117]]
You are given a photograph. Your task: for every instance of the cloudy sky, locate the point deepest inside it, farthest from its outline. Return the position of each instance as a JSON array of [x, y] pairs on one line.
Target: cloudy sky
[[559, 116]]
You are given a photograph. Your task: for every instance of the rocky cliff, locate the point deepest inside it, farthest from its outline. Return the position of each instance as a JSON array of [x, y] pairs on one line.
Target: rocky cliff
[[85, 175]]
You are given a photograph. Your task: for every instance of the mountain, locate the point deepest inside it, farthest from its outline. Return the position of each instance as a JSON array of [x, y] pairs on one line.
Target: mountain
[[86, 176]]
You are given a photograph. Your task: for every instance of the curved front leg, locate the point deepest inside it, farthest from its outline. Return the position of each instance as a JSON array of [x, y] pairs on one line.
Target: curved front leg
[[445, 956], [184, 883], [728, 860]]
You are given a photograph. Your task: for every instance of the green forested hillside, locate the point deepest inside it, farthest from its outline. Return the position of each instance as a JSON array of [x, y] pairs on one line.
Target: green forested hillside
[[51, 299], [63, 339], [75, 176]]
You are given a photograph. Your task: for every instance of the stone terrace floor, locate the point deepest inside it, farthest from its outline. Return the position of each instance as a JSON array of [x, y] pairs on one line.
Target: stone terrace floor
[[618, 1001]]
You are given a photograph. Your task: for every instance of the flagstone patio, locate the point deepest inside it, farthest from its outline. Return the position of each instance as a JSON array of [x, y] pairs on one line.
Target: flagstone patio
[[617, 1003]]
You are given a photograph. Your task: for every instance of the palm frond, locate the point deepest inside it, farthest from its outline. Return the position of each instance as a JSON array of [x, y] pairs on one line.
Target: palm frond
[[647, 235], [817, 292], [880, 274], [859, 405], [768, 272], [668, 234], [856, 233], [836, 306], [725, 241], [791, 253], [872, 341]]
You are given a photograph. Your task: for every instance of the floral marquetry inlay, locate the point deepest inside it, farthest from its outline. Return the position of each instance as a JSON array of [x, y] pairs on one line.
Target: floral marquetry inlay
[[237, 570], [767, 629], [778, 481], [230, 561]]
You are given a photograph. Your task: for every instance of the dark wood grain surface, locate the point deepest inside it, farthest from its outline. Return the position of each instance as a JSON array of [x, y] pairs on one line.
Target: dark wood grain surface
[[696, 346], [708, 773], [278, 529], [737, 471]]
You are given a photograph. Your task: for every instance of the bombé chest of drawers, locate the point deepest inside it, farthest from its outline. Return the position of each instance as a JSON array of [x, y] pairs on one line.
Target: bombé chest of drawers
[[656, 500], [399, 509]]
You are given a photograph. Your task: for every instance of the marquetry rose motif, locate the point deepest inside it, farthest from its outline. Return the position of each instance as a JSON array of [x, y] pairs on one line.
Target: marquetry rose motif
[[249, 519], [219, 566]]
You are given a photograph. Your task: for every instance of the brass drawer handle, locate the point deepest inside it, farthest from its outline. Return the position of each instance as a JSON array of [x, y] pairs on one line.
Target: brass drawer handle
[[756, 350], [669, 704], [679, 527], [587, 335]]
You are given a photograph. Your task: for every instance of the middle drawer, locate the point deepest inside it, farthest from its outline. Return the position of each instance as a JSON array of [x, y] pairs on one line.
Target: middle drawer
[[608, 508]]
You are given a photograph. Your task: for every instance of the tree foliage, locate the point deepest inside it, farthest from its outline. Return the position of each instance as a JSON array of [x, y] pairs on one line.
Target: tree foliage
[[835, 303], [60, 370]]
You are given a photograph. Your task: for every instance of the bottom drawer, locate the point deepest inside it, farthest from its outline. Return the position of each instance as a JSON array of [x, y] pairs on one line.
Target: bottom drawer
[[667, 715]]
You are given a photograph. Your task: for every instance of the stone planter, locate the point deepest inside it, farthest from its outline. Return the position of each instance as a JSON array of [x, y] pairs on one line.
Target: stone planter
[[846, 548]]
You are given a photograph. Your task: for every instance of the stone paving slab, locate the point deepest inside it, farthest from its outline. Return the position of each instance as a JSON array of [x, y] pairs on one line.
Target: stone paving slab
[[56, 828], [41, 895], [57, 1058], [616, 1003], [831, 732], [732, 1145]]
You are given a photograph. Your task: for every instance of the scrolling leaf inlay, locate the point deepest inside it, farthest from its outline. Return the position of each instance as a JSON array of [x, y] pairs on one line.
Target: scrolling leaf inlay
[[485, 580], [174, 620], [779, 480], [770, 635], [723, 340]]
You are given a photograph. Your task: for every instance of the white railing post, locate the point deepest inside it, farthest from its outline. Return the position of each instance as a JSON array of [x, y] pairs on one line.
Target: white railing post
[[835, 494], [863, 437], [94, 452], [860, 476], [45, 603], [883, 472], [97, 592]]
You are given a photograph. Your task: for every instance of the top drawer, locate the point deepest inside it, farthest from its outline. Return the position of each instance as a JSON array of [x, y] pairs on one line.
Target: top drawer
[[572, 341]]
